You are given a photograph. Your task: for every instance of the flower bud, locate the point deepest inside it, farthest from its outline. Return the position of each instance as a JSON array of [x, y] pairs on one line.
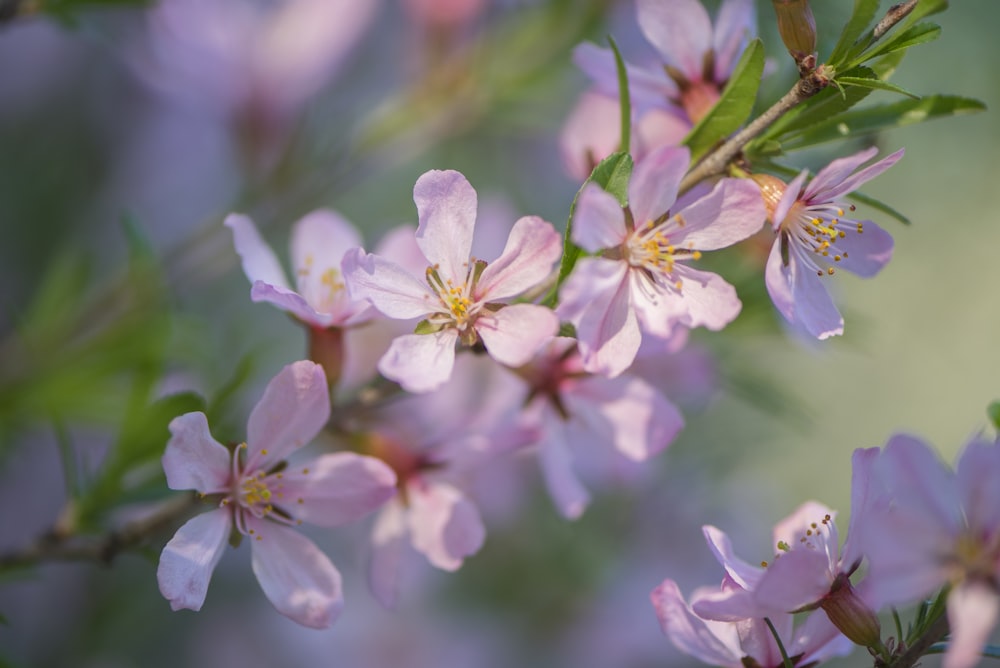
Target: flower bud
[[797, 27], [851, 615]]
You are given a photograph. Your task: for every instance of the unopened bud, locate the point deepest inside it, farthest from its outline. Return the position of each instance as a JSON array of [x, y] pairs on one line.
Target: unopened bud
[[851, 615], [797, 27], [772, 189]]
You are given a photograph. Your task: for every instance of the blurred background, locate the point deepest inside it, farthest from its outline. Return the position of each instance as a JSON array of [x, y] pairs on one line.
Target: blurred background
[[127, 133]]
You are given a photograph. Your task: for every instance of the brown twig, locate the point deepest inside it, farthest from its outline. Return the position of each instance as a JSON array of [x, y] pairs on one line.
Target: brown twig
[[60, 545], [716, 161]]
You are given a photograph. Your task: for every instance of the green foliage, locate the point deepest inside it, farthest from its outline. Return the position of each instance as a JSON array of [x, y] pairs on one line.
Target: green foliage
[[612, 174], [863, 14], [624, 100], [863, 122], [67, 10], [918, 34], [993, 411], [734, 105], [873, 82]]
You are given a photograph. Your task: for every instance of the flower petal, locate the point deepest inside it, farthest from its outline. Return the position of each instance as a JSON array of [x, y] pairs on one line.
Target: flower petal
[[295, 406], [742, 573], [298, 579], [388, 543], [835, 180], [513, 334], [420, 362], [977, 470], [446, 206], [195, 460], [735, 26], [445, 526], [689, 633], [187, 561], [812, 307], [567, 492], [731, 212], [973, 608], [648, 88], [652, 189], [705, 300], [532, 249], [598, 220], [391, 289], [292, 302], [319, 242], [337, 488], [794, 579], [259, 261], [864, 253], [680, 30]]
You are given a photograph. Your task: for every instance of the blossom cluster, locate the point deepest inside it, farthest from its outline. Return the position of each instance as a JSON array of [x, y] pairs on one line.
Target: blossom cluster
[[917, 528]]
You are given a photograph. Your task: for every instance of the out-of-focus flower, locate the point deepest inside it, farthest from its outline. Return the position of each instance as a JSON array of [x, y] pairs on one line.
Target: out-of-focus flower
[[640, 276], [460, 297], [256, 59], [261, 498], [748, 642], [813, 237], [809, 570], [668, 99], [434, 441], [579, 413], [940, 528]]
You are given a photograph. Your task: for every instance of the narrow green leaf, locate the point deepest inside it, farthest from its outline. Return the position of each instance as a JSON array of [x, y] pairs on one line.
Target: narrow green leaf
[[863, 14], [861, 122], [877, 84], [885, 66], [923, 9], [918, 34], [624, 100], [612, 174], [734, 105], [993, 411], [879, 205]]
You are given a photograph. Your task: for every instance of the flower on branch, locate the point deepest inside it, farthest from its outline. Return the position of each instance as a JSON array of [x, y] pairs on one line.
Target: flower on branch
[[460, 298], [816, 236], [639, 279], [261, 497]]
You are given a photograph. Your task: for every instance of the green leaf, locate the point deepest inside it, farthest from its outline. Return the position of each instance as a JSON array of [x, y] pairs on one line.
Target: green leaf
[[861, 122], [876, 84], [734, 105], [624, 100], [863, 14], [923, 9], [612, 174], [879, 205], [993, 411], [918, 34]]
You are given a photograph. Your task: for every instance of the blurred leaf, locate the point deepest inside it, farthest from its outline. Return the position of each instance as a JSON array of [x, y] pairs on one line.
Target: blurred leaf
[[65, 10], [143, 437], [734, 105], [993, 411], [877, 84], [624, 100], [222, 399], [866, 121], [879, 205], [918, 34], [861, 17]]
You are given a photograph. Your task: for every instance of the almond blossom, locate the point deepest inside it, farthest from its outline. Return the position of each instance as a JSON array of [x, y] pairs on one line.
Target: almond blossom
[[261, 498], [810, 568], [639, 278], [460, 298], [580, 414], [815, 236], [940, 528], [747, 642]]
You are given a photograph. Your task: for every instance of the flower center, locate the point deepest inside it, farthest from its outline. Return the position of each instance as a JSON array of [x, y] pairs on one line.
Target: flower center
[[325, 294], [820, 535], [458, 307], [649, 248], [818, 228]]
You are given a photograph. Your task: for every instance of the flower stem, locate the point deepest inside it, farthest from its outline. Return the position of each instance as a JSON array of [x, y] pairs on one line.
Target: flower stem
[[933, 632]]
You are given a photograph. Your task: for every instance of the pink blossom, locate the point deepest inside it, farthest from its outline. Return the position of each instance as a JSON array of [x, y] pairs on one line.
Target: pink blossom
[[667, 99], [639, 275], [460, 298], [318, 244], [261, 499], [813, 237], [940, 528], [809, 568], [580, 415], [434, 441], [736, 644]]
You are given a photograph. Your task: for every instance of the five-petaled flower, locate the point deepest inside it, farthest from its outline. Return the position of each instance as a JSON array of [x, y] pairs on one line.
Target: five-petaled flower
[[814, 236], [261, 497], [460, 297], [640, 274]]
